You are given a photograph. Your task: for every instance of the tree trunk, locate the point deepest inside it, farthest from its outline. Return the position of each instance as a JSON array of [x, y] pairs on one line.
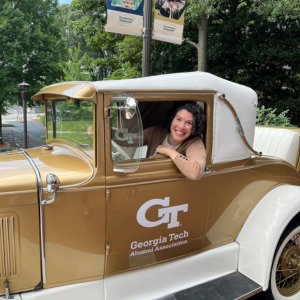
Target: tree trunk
[[202, 42]]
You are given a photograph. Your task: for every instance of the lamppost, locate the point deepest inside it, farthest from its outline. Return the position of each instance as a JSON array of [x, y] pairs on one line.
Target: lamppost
[[24, 88], [147, 37]]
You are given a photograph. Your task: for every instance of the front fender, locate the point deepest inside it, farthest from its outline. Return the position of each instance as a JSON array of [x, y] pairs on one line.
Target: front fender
[[262, 230]]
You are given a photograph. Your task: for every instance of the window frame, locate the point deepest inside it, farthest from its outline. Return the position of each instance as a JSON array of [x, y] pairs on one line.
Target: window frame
[[163, 168]]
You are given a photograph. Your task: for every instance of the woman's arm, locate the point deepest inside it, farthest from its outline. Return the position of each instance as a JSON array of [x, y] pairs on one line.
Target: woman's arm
[[193, 164]]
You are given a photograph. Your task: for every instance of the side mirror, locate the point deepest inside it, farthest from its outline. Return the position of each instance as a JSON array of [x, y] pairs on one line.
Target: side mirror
[[52, 182], [130, 108]]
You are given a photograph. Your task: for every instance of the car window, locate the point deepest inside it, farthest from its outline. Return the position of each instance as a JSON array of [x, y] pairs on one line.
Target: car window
[[71, 121], [126, 145]]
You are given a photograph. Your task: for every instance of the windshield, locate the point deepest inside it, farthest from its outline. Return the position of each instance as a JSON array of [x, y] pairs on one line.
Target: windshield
[[71, 121]]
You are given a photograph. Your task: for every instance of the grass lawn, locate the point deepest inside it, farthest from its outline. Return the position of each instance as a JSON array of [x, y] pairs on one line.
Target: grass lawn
[[7, 125], [72, 125], [79, 138], [74, 130]]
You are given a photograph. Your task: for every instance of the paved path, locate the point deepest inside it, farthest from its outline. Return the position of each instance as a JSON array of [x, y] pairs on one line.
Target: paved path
[[14, 135]]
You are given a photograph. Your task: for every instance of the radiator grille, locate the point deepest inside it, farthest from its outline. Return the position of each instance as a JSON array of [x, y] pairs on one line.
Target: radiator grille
[[8, 264]]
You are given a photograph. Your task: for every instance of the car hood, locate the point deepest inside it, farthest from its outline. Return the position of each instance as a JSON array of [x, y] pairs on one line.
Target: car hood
[[16, 173], [18, 176], [71, 167]]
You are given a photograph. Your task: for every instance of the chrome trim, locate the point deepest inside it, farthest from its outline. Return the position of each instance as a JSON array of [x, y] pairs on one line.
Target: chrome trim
[[53, 180], [160, 92], [41, 210], [42, 202], [207, 170], [239, 127], [243, 168], [250, 294], [91, 188], [128, 95]]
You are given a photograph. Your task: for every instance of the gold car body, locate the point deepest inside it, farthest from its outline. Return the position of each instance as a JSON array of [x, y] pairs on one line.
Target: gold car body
[[91, 231]]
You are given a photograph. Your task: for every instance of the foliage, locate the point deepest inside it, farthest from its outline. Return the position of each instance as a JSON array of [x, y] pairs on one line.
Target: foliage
[[77, 68], [42, 119], [91, 25], [79, 110], [30, 47], [247, 47], [73, 23], [268, 117], [194, 8], [125, 72], [274, 8], [120, 56]]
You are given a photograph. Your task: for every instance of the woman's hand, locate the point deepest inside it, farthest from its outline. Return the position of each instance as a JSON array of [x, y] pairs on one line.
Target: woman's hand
[[166, 151]]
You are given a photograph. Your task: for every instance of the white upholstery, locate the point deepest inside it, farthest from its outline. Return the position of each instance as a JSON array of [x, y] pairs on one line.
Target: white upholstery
[[282, 143], [143, 152]]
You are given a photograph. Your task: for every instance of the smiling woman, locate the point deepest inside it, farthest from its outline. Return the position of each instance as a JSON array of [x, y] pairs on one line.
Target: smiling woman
[[185, 124], [179, 139]]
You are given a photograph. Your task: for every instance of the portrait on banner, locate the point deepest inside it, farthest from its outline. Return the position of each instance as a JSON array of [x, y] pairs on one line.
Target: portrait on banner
[[172, 9], [169, 20], [127, 4], [125, 16]]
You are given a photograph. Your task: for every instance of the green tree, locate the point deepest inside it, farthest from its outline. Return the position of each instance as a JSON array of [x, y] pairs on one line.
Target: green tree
[[69, 16], [268, 117], [30, 47], [102, 44], [122, 54], [77, 68], [198, 13], [252, 42], [14, 37], [261, 52]]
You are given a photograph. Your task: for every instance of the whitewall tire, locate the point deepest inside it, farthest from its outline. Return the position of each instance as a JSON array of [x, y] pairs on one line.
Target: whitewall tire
[[285, 273]]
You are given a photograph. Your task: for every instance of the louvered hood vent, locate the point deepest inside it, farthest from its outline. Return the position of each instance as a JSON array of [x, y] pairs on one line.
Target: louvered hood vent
[[9, 246]]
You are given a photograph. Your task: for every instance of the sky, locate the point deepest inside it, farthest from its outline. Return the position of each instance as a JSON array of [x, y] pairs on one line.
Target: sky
[[64, 1]]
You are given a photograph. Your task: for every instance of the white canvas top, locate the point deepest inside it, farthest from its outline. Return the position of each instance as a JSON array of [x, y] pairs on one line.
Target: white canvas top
[[227, 143], [179, 81]]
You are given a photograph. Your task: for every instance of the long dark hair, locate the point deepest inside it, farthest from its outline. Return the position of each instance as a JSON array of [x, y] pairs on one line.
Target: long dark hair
[[199, 119]]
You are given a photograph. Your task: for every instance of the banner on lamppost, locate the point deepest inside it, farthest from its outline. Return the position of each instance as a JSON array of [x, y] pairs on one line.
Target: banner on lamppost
[[125, 16], [169, 21]]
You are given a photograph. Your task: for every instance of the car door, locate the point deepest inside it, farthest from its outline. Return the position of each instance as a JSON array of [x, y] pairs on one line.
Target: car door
[[154, 213]]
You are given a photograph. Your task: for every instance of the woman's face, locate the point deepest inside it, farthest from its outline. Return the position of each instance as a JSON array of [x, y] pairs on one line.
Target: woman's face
[[181, 127]]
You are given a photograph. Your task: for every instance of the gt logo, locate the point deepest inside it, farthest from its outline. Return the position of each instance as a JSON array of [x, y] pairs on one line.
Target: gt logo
[[126, 136], [168, 215]]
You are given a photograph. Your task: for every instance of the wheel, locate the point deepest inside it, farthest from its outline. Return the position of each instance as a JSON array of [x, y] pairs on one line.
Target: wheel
[[285, 274]]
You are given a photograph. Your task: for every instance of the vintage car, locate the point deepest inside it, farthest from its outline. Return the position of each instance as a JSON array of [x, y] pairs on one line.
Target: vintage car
[[87, 216]]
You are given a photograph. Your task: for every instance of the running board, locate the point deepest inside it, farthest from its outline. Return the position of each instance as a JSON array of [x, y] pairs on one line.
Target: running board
[[234, 286]]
